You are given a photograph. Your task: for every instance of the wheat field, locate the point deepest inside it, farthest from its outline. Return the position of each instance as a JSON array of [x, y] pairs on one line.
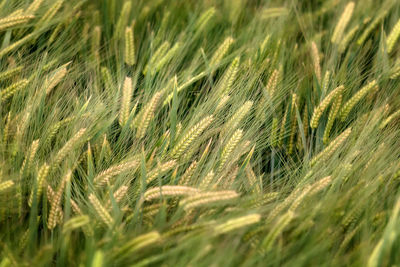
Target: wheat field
[[199, 133]]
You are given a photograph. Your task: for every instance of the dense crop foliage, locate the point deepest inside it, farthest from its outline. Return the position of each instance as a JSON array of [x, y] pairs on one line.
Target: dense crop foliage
[[199, 133]]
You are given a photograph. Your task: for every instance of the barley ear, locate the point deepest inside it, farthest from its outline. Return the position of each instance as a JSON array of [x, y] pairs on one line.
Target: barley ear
[[101, 211], [191, 136], [342, 23], [318, 111], [125, 101], [393, 36], [129, 47]]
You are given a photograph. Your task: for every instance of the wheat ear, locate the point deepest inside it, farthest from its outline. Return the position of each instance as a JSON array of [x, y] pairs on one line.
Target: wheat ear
[[12, 89], [205, 198], [318, 111], [342, 23], [347, 38], [221, 51], [101, 211], [332, 116], [12, 21], [206, 181], [161, 62], [139, 242], [123, 18], [10, 72], [390, 119], [56, 78], [34, 6], [184, 86], [169, 191], [238, 116], [118, 195], [229, 147], [41, 176], [191, 136], [348, 106], [185, 179], [204, 19], [5, 185], [393, 36], [272, 82], [129, 47], [125, 101], [103, 177], [148, 114], [237, 223], [68, 147], [274, 132], [316, 60], [229, 77], [331, 148], [55, 203], [160, 52], [162, 168]]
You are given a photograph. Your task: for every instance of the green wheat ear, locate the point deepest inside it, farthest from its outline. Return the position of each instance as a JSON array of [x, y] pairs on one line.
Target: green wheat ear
[[348, 106], [190, 136], [342, 23], [323, 106], [393, 36], [129, 47]]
